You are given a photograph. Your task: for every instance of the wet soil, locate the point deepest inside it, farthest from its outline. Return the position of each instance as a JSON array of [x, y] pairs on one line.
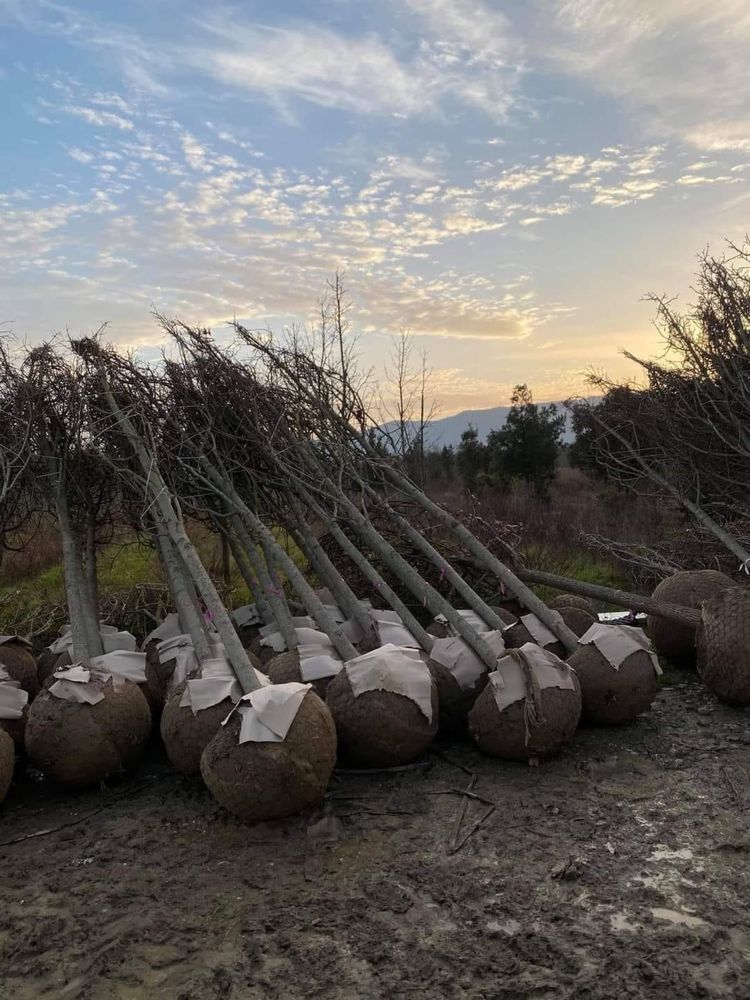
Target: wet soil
[[618, 870]]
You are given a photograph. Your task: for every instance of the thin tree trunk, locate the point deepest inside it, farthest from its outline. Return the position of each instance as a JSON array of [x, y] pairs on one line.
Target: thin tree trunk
[[251, 581], [282, 616], [305, 592], [635, 602], [462, 588], [161, 499], [527, 597], [191, 620], [322, 565], [73, 576], [91, 577]]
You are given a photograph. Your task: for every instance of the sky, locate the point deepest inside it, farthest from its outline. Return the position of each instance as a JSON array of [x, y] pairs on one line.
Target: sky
[[504, 179]]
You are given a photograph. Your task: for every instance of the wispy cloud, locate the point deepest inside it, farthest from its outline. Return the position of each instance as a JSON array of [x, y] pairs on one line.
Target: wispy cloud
[[680, 64]]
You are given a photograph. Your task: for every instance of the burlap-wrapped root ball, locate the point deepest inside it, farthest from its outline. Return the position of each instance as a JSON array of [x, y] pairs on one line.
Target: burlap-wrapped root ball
[[186, 735], [519, 634], [265, 781], [263, 653], [7, 763], [45, 664], [528, 709], [19, 661], [723, 650], [454, 702], [285, 667], [572, 601], [614, 696], [78, 744], [380, 728], [689, 589], [577, 619]]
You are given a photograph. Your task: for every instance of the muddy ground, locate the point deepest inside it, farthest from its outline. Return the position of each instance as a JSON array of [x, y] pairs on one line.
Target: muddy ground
[[619, 870]]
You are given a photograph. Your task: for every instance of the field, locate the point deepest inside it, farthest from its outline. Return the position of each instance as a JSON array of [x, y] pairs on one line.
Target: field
[[619, 869]]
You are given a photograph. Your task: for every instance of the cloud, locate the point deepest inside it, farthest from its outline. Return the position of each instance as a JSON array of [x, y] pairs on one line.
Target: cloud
[[103, 119], [681, 65]]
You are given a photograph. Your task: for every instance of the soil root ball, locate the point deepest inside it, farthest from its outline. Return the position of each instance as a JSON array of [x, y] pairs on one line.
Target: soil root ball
[[454, 701], [572, 601], [21, 666], [380, 728], [577, 620], [518, 635], [78, 744], [264, 653], [45, 664], [7, 763], [157, 677], [265, 781], [614, 696], [16, 728], [530, 708], [689, 589], [723, 661], [185, 735], [285, 667]]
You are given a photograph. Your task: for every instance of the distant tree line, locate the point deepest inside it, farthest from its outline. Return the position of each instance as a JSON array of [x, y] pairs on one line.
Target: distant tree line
[[524, 450]]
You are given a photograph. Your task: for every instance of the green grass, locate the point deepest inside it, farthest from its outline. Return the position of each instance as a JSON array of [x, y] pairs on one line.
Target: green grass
[[578, 564]]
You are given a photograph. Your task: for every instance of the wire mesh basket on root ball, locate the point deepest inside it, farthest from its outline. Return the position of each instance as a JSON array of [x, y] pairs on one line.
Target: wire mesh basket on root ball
[[688, 589], [724, 646]]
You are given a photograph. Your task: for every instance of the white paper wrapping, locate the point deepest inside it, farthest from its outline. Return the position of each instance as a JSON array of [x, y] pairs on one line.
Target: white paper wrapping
[[78, 684], [508, 684], [617, 642], [15, 638], [538, 630], [246, 615], [470, 617], [391, 630], [456, 655], [168, 629], [112, 639], [217, 682], [318, 661], [268, 713], [393, 668], [131, 666], [13, 698]]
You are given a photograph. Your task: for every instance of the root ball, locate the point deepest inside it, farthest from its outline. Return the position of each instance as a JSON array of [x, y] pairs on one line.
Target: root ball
[[185, 735], [7, 763], [610, 696], [723, 660], [265, 781], [454, 702], [379, 728], [577, 619], [285, 667], [21, 666], [572, 601], [529, 726], [77, 744], [689, 589]]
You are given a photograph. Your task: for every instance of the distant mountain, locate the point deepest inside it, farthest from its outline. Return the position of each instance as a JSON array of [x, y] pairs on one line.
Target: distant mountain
[[448, 430]]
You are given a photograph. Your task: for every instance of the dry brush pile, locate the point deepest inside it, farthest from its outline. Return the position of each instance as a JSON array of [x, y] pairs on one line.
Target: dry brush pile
[[253, 439]]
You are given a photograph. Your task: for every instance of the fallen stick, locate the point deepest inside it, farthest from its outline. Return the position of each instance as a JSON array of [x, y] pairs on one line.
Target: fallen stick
[[461, 815], [480, 822]]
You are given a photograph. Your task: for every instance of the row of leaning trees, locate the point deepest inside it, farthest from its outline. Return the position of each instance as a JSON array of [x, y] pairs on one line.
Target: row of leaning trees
[[256, 438]]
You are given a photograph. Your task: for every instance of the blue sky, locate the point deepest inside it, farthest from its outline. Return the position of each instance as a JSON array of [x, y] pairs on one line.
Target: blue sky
[[504, 179]]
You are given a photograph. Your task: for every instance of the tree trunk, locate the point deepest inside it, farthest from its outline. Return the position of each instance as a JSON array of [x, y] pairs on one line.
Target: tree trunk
[[635, 602], [191, 620]]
